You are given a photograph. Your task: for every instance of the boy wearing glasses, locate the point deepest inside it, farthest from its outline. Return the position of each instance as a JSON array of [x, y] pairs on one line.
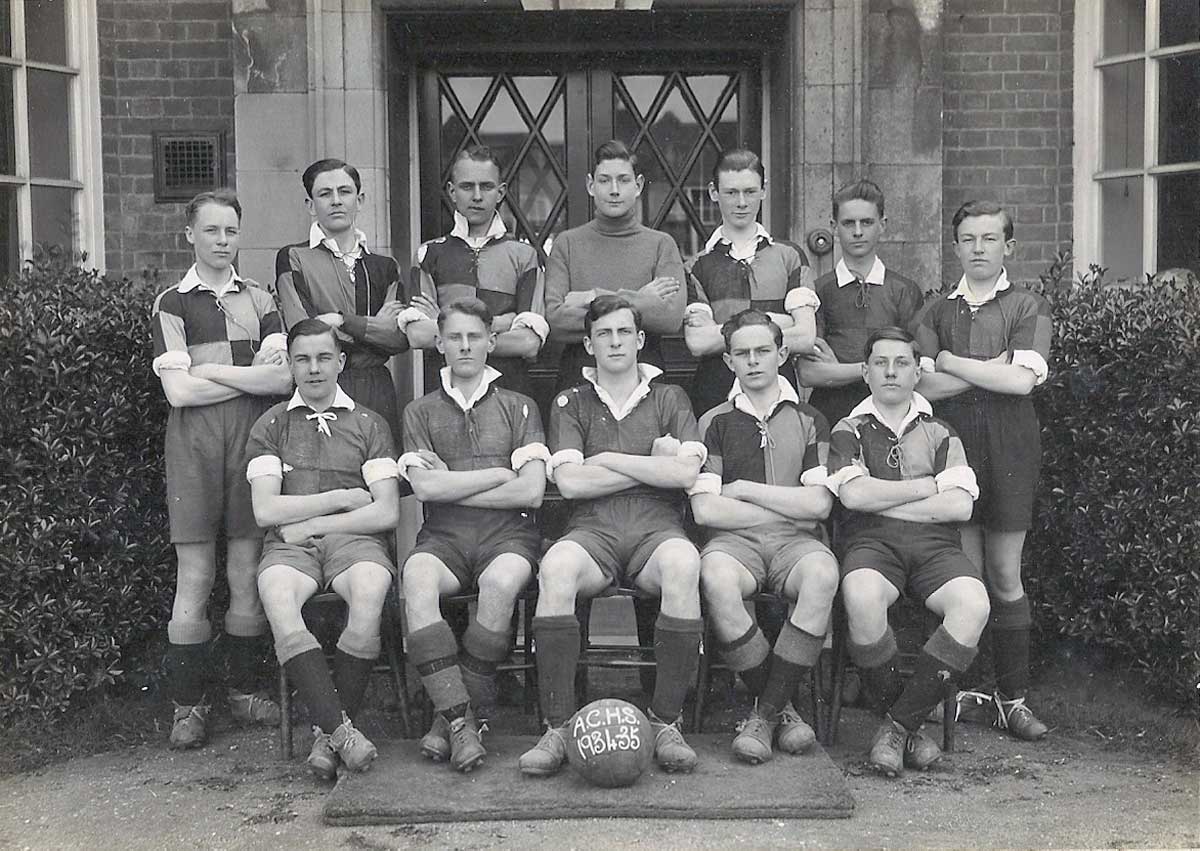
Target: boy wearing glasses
[[742, 267]]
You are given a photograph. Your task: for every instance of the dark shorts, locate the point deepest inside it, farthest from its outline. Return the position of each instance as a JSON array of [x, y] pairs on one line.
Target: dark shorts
[[373, 387], [769, 551], [467, 540], [621, 533], [322, 559], [207, 491], [915, 557], [1003, 443]]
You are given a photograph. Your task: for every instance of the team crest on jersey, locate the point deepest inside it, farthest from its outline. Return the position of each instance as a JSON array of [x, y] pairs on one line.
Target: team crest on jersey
[[562, 401]]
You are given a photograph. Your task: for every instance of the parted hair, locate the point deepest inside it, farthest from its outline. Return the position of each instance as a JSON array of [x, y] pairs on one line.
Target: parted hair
[[321, 166], [312, 328], [614, 149], [982, 208], [738, 159], [858, 190], [479, 154], [745, 319], [471, 306], [891, 332], [602, 305], [222, 197]]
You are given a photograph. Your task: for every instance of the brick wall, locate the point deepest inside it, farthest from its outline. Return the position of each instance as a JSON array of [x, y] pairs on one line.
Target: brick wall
[[1007, 122], [165, 65]]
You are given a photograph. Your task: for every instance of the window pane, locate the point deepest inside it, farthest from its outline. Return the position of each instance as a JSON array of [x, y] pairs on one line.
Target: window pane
[[1179, 22], [8, 145], [53, 216], [1121, 228], [1179, 109], [49, 124], [1122, 114], [46, 31], [5, 27], [1124, 27], [10, 255], [1178, 213]]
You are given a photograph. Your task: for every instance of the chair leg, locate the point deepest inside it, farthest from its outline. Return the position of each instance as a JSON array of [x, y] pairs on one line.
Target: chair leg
[[532, 704], [949, 709], [839, 677], [583, 612], [703, 673], [285, 716], [396, 663]]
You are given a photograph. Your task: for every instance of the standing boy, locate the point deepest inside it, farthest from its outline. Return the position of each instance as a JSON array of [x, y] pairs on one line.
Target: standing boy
[[334, 277], [476, 456], [743, 267], [219, 353], [985, 346], [903, 478], [480, 259], [624, 450], [762, 491], [323, 478], [613, 253], [858, 297]]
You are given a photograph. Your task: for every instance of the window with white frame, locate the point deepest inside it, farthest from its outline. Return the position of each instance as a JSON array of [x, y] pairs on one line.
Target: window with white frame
[[1137, 135], [49, 130]]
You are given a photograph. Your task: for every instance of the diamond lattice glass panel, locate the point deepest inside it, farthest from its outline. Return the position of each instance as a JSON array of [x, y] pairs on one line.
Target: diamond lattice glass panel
[[726, 130], [679, 226], [1179, 22], [1179, 109], [696, 188], [535, 189], [657, 186], [8, 146], [707, 89], [554, 130], [503, 129], [1124, 27], [643, 88], [454, 129], [1122, 111], [49, 123], [46, 31], [5, 32], [53, 216], [676, 130], [1121, 228], [1178, 212], [470, 92], [534, 91], [10, 240]]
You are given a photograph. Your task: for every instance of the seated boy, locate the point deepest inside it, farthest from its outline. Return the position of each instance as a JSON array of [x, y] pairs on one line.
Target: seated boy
[[323, 479], [903, 478], [475, 455], [762, 490], [624, 450]]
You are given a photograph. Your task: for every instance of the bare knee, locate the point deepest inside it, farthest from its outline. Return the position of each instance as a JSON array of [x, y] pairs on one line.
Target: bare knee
[[504, 582], [862, 596], [971, 607], [720, 585], [558, 580], [679, 567], [819, 578]]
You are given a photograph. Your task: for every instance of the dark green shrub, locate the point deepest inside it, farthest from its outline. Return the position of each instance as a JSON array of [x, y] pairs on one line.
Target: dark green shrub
[[86, 563], [1114, 555]]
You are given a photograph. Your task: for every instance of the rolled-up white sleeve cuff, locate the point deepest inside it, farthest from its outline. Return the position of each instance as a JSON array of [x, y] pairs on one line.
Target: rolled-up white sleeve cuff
[[378, 469], [960, 476], [801, 297], [562, 456], [522, 455], [171, 360], [1032, 361], [535, 323], [698, 307], [694, 448], [834, 481], [706, 483], [928, 365], [274, 341], [814, 477], [408, 316], [264, 465], [409, 460]]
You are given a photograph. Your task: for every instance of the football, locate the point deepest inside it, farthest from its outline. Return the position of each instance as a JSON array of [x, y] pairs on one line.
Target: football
[[610, 743]]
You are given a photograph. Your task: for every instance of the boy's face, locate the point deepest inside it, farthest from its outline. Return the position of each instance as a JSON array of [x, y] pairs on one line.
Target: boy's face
[[475, 190], [315, 365], [739, 194], [615, 341], [891, 372], [615, 188], [859, 227], [754, 357], [335, 201], [981, 247], [465, 342], [214, 234]]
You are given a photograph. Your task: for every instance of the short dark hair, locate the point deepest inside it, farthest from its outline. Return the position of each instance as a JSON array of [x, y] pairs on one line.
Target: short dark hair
[[471, 306], [312, 328], [221, 197], [479, 154], [738, 159], [746, 319], [602, 305], [321, 166], [982, 208], [891, 332], [614, 149], [858, 190]]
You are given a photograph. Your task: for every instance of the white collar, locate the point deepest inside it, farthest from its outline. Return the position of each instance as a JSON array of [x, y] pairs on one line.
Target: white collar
[[920, 405], [719, 236], [845, 276], [740, 401], [192, 280], [340, 400], [964, 290], [316, 237], [462, 228], [646, 373], [489, 375]]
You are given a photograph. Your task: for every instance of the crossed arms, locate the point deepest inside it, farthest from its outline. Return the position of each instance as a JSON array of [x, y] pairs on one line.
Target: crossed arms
[[209, 383], [745, 503], [491, 487], [346, 511], [608, 473]]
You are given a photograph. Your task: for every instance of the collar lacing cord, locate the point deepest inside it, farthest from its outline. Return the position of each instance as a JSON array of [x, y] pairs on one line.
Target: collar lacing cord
[[895, 456], [323, 419], [764, 435]]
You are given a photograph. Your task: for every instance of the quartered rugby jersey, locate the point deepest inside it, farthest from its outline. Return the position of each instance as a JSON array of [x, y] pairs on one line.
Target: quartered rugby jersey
[[850, 310], [726, 285]]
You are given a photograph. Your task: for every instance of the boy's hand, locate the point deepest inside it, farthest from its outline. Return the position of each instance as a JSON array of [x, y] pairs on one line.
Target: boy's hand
[[665, 446], [432, 459], [663, 288], [295, 533], [821, 353], [353, 498], [698, 319], [389, 310], [332, 319], [734, 490], [579, 298], [269, 357], [424, 304]]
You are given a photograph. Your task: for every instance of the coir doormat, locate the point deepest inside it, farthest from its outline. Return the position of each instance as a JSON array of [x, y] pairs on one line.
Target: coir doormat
[[404, 787]]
